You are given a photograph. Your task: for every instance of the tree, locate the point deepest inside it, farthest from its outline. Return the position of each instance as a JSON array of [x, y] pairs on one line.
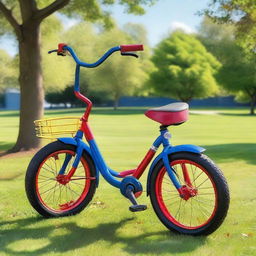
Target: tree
[[238, 72], [184, 68], [23, 18], [241, 13], [55, 98], [238, 76]]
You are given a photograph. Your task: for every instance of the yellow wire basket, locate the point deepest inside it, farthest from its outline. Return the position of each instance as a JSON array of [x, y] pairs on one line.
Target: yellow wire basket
[[52, 128]]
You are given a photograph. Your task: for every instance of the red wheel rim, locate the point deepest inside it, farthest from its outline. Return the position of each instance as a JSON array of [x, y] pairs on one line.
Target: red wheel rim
[[197, 211], [57, 197]]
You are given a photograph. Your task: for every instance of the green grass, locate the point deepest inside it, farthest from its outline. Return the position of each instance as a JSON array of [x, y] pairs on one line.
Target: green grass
[[106, 227]]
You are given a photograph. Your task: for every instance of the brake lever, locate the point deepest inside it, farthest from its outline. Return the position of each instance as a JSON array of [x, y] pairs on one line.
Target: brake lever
[[49, 52], [129, 54], [62, 53]]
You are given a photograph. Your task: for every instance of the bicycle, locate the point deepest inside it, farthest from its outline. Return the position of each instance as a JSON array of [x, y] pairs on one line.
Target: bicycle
[[188, 192]]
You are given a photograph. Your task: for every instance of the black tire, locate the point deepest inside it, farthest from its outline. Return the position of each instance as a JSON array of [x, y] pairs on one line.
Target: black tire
[[201, 214], [65, 199]]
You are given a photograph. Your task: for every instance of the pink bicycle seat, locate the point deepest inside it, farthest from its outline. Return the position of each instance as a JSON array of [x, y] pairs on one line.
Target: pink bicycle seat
[[171, 114]]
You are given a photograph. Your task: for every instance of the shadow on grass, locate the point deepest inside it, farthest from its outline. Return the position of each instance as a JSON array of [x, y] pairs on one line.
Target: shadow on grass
[[76, 237], [5, 146], [10, 114], [232, 152], [11, 177], [77, 111], [237, 114]]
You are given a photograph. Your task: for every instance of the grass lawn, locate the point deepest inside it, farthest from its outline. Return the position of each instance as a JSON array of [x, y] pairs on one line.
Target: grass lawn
[[107, 227]]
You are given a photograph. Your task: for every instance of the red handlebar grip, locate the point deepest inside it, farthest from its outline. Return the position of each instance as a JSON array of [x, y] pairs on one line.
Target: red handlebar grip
[[131, 47], [60, 47]]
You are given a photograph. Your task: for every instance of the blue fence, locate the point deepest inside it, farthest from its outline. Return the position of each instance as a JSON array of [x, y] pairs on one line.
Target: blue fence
[[12, 101]]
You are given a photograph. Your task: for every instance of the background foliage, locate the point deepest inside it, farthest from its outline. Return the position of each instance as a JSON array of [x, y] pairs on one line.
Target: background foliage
[[184, 68], [238, 72]]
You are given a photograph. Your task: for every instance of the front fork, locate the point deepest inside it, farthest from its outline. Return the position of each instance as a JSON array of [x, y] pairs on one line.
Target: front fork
[[185, 191], [65, 178]]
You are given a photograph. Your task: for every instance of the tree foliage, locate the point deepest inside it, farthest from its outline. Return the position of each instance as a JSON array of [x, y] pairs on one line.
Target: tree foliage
[[238, 72], [241, 13], [57, 72], [8, 73], [117, 76], [13, 13], [184, 68]]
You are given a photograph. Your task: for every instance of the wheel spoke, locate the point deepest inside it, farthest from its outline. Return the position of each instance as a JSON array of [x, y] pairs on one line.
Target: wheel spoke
[[46, 184], [193, 174], [47, 190], [203, 194], [202, 182], [45, 180], [72, 190], [203, 207], [73, 182], [204, 202], [191, 210], [198, 176], [46, 177], [49, 194], [178, 209], [206, 188], [49, 170], [173, 202], [59, 198]]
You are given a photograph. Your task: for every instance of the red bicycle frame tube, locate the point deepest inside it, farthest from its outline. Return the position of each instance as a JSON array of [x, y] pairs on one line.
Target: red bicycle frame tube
[[144, 163], [87, 131], [88, 103], [186, 175]]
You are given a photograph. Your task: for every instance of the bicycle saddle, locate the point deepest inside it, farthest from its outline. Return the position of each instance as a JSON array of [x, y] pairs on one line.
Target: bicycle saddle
[[171, 114]]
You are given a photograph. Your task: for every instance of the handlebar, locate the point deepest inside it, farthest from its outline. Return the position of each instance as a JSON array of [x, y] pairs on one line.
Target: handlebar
[[63, 49], [91, 65], [124, 49]]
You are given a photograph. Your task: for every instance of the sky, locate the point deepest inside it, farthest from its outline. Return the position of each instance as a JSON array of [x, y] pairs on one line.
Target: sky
[[159, 20]]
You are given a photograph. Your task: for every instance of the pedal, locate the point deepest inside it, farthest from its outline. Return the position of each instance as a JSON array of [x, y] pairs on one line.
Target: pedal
[[138, 208], [135, 207]]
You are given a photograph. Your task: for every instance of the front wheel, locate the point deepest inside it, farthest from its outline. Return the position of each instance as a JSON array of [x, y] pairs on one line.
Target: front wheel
[[49, 195], [205, 209]]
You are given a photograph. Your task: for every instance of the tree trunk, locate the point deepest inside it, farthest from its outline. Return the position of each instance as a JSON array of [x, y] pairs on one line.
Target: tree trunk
[[116, 100], [31, 89], [252, 105]]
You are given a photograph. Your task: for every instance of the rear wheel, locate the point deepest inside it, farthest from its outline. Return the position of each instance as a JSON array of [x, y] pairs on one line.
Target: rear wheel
[[49, 195], [207, 205]]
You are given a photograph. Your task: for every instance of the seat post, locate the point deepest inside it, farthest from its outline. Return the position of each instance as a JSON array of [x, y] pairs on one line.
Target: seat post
[[163, 127], [165, 135]]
